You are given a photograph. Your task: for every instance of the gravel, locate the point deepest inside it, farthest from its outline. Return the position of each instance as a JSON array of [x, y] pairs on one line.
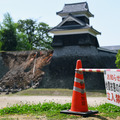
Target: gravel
[[11, 100]]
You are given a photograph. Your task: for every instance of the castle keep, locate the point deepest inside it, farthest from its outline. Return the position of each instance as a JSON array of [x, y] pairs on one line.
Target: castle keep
[[74, 28], [74, 38]]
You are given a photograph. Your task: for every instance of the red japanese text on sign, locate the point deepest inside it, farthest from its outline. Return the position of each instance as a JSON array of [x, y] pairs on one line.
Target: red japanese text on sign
[[112, 84]]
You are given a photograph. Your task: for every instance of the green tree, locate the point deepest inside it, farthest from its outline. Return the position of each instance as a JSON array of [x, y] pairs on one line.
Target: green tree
[[117, 62], [22, 43], [8, 37], [0, 46], [43, 39], [28, 27], [37, 34], [23, 35]]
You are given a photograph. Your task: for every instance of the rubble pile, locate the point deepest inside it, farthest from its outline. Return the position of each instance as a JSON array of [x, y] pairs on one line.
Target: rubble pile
[[25, 70]]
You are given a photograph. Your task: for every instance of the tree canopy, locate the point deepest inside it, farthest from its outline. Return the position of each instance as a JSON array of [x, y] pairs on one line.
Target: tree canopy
[[117, 62], [24, 35], [8, 36]]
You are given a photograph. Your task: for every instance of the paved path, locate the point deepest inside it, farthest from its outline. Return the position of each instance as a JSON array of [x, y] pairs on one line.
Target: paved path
[[10, 100]]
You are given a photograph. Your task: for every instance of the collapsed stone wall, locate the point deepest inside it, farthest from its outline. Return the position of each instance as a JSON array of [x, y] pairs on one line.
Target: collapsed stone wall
[[22, 70]]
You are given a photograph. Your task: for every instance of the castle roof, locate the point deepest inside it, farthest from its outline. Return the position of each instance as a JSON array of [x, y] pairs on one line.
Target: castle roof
[[114, 48], [79, 27], [71, 18], [75, 8], [74, 30]]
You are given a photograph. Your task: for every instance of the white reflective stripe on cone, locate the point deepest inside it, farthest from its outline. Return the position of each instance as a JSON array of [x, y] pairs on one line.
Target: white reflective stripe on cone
[[79, 80], [79, 90]]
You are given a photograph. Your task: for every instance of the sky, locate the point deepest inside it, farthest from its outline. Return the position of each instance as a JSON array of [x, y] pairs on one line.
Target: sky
[[106, 15]]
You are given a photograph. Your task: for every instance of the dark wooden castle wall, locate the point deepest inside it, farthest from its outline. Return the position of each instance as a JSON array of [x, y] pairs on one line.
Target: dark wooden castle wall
[[76, 39]]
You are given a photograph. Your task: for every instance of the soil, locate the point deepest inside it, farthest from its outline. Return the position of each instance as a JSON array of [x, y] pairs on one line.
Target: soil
[[29, 117], [24, 70]]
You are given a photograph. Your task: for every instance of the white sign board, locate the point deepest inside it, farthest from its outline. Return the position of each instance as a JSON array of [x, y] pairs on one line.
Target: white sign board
[[112, 84]]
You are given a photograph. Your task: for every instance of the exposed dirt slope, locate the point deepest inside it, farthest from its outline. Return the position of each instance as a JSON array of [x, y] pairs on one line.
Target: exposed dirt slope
[[25, 69]]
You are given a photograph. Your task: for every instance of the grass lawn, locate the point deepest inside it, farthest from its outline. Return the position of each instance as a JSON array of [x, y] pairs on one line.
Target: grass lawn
[[59, 92], [51, 111]]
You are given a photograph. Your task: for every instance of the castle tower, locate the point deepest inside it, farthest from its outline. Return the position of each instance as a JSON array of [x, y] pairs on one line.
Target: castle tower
[[74, 28], [75, 39]]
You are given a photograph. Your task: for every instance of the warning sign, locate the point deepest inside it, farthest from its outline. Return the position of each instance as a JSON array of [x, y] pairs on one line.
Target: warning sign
[[112, 84]]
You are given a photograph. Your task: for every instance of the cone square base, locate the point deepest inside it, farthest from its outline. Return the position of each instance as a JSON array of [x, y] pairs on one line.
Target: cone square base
[[85, 114]]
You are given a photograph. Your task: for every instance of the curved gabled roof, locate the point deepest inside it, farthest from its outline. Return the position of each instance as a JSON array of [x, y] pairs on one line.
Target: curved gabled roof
[[71, 17], [79, 26], [75, 8]]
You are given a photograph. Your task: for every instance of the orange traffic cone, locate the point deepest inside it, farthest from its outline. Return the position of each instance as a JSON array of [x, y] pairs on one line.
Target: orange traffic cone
[[79, 100]]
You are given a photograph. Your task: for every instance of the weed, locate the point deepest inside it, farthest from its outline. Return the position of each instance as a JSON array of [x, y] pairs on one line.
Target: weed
[[107, 110], [52, 110]]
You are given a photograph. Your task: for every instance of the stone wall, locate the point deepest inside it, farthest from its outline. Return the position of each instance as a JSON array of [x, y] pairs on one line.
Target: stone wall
[[3, 67], [60, 73]]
